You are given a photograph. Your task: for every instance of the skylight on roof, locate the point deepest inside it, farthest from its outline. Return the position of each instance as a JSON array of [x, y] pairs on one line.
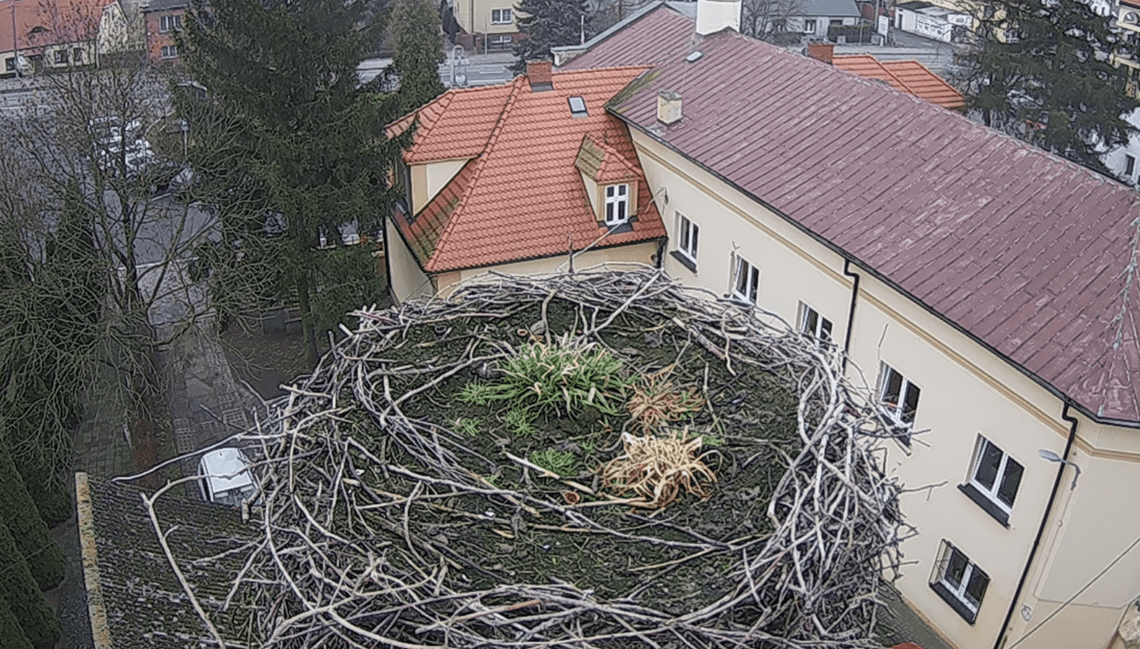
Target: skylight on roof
[[694, 56], [577, 106]]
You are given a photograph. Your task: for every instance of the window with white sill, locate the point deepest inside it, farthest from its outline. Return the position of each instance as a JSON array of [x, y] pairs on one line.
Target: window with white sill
[[169, 51], [994, 480], [746, 283], [959, 581], [688, 233], [617, 204], [813, 324], [500, 16], [898, 396]]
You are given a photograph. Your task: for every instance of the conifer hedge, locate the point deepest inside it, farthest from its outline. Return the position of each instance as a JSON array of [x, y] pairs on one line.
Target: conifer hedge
[[18, 511], [10, 630], [25, 600]]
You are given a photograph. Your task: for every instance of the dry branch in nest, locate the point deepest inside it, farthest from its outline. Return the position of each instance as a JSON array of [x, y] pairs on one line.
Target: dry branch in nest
[[378, 526]]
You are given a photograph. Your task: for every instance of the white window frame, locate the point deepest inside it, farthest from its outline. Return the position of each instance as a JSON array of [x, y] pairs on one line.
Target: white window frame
[[895, 410], [169, 51], [958, 591], [745, 281], [814, 25], [61, 56], [501, 13], [991, 492], [1129, 165], [170, 23], [688, 237], [819, 331], [617, 204]]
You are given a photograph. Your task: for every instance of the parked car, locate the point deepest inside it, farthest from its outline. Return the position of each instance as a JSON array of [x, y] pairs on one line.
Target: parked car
[[226, 478]]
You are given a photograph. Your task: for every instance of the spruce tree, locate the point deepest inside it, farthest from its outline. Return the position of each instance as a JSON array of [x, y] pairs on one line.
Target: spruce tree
[[1044, 72], [18, 511], [10, 630], [24, 598], [288, 145], [547, 24], [419, 52]]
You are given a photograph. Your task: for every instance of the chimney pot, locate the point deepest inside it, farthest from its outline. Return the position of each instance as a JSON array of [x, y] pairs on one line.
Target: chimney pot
[[668, 107], [822, 51], [540, 75]]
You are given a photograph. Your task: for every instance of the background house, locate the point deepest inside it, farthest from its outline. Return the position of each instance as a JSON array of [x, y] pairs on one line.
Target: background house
[[941, 23], [484, 25], [982, 288], [812, 17], [515, 178], [910, 77], [61, 33], [163, 19]]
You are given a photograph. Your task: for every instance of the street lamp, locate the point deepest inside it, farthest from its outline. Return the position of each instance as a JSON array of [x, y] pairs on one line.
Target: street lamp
[[1050, 456]]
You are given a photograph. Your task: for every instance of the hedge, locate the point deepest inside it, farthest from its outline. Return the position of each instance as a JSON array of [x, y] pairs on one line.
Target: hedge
[[854, 33], [19, 512], [10, 630], [24, 598]]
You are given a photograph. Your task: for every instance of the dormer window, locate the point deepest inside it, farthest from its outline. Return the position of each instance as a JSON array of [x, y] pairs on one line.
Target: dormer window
[[617, 204]]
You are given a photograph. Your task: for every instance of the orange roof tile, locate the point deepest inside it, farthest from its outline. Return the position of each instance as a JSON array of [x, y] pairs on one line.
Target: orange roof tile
[[41, 23], [521, 196], [926, 84], [868, 67], [910, 77], [603, 163], [454, 125]]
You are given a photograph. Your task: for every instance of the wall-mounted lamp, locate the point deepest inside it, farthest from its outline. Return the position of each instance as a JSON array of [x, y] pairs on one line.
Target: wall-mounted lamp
[[1050, 456]]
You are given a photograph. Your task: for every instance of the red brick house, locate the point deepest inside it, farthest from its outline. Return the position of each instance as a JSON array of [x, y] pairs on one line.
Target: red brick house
[[163, 21]]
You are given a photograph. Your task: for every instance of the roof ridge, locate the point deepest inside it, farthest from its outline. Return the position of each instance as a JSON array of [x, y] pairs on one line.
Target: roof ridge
[[445, 236], [610, 150]]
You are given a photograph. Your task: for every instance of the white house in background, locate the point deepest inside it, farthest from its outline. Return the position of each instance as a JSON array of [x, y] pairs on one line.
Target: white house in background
[[815, 16], [931, 21], [1125, 161]]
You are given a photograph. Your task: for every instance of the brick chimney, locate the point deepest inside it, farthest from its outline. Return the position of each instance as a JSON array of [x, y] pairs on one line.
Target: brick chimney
[[822, 51], [540, 75], [668, 107]]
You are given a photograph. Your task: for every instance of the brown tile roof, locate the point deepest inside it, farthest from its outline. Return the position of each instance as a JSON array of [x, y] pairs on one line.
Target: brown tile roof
[[1027, 253], [521, 196]]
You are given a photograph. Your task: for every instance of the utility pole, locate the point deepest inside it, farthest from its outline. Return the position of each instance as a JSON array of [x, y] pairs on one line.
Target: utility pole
[[15, 42]]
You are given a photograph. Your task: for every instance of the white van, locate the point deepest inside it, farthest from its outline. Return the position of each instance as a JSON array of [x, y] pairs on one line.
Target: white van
[[226, 478]]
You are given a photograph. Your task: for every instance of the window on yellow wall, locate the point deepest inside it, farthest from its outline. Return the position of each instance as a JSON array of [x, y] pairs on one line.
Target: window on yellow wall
[[746, 283], [898, 397], [813, 324], [995, 478], [959, 581]]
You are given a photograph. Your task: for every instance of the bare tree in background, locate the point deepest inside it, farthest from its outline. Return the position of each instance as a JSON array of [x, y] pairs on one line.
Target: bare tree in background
[[767, 20], [94, 147]]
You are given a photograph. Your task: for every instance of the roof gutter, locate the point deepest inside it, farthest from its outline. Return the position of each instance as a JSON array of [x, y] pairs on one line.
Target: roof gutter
[[1041, 529], [848, 257]]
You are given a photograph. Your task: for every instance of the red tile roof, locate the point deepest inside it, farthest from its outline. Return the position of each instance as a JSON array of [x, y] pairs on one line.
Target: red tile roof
[[47, 22], [1027, 253], [924, 83], [520, 196], [868, 67]]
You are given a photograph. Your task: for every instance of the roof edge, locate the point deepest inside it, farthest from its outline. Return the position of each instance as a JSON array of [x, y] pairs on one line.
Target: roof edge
[[96, 607], [867, 268], [596, 246], [613, 29]]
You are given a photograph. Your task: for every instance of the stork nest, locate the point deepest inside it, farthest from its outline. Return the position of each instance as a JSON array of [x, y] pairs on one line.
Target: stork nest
[[393, 513]]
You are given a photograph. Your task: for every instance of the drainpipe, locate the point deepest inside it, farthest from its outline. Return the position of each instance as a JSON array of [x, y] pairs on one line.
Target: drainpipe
[[1044, 521], [850, 311]]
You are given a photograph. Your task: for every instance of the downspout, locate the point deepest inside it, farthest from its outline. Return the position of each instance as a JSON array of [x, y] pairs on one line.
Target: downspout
[[1040, 530], [850, 311]]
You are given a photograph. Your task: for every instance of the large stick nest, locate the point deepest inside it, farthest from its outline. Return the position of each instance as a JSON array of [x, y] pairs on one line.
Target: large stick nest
[[358, 497]]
